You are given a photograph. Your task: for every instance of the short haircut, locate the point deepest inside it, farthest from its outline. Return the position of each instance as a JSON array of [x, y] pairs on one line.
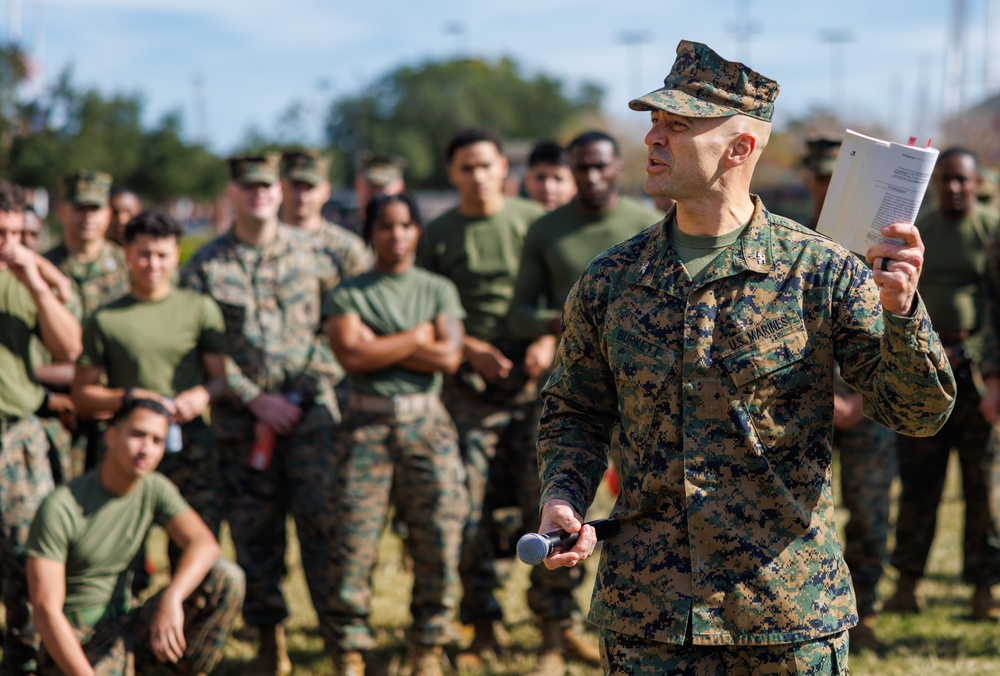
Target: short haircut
[[548, 152], [11, 197], [594, 136], [130, 405], [156, 224], [376, 207], [467, 137], [958, 151]]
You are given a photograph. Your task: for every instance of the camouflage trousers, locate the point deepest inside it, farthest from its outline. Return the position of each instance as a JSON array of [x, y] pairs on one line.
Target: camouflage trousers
[[867, 468], [120, 646], [60, 450], [923, 463], [634, 655], [25, 480], [498, 433], [415, 459], [300, 482], [195, 471]]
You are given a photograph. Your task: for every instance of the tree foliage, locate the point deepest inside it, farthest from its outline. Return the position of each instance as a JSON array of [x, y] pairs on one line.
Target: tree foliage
[[68, 128], [413, 111]]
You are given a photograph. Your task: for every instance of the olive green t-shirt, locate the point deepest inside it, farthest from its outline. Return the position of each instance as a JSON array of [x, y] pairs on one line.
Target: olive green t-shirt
[[155, 345], [390, 304], [96, 534], [20, 393], [481, 256], [696, 252], [557, 250], [955, 261]]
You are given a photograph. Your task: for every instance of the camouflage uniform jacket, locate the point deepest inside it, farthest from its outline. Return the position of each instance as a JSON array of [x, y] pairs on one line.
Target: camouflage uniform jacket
[[990, 329], [271, 298], [348, 251], [724, 391], [98, 282]]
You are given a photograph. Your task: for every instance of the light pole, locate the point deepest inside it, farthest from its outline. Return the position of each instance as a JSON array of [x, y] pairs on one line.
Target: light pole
[[837, 38], [633, 41]]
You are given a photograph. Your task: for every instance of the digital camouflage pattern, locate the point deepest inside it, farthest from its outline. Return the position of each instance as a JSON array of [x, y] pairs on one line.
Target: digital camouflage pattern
[[270, 298], [703, 84], [308, 166], [120, 645], [87, 187], [867, 467], [622, 654], [254, 168], [989, 363], [347, 251], [25, 480], [724, 391], [97, 282], [415, 459]]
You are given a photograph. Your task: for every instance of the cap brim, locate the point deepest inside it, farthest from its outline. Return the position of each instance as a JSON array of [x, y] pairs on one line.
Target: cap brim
[[310, 177], [257, 179], [89, 202], [680, 103]]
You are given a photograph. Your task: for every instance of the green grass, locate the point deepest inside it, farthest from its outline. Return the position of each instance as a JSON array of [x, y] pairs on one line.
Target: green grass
[[940, 641]]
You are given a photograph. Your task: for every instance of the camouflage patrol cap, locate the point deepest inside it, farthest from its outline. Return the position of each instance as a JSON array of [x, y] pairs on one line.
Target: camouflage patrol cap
[[381, 170], [307, 166], [254, 168], [87, 187], [703, 84], [821, 154]]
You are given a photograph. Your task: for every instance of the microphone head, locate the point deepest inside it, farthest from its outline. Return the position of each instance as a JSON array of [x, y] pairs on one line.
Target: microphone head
[[532, 548]]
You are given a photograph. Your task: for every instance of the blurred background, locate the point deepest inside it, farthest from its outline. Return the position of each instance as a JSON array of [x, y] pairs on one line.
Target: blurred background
[[156, 91]]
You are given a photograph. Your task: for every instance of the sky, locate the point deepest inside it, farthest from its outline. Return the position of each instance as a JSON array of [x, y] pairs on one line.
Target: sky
[[253, 58]]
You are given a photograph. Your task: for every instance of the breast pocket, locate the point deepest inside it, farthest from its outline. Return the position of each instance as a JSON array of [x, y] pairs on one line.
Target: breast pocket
[[639, 379], [769, 379]]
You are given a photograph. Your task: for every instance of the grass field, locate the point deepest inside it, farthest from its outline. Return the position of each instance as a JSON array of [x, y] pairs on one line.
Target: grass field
[[940, 641]]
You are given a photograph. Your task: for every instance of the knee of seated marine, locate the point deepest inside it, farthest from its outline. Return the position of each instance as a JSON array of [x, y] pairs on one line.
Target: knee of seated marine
[[230, 581]]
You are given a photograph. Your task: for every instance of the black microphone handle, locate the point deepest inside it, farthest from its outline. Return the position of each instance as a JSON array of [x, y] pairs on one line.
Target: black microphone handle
[[562, 541]]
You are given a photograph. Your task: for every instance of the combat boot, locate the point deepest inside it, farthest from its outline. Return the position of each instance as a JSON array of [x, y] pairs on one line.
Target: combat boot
[[550, 656], [272, 653], [984, 607], [427, 661], [483, 648], [349, 663], [905, 599]]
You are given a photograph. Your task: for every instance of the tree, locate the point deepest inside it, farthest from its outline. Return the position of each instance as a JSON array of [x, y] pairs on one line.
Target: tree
[[413, 111]]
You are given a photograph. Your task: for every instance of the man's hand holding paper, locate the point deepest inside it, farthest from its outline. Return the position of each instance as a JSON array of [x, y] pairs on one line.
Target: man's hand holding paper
[[896, 268]]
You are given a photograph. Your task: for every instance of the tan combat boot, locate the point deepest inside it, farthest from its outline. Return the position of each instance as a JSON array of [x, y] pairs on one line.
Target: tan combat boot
[[483, 648], [272, 653], [427, 661], [905, 599], [349, 663], [984, 607]]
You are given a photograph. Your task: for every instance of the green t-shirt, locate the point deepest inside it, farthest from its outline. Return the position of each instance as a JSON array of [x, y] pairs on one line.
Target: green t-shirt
[[481, 256], [20, 393], [696, 252], [391, 304], [96, 535], [155, 345], [951, 279], [557, 250]]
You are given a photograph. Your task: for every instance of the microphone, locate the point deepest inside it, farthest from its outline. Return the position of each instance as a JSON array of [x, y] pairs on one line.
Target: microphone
[[533, 547]]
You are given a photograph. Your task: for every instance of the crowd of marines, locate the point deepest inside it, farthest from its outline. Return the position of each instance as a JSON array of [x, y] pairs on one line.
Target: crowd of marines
[[303, 368]]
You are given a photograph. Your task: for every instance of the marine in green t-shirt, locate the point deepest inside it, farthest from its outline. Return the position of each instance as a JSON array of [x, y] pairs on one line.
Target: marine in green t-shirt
[[80, 547], [162, 342], [395, 330]]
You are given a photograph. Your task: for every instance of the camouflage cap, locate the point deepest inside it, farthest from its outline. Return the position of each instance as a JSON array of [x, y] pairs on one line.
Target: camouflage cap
[[87, 187], [703, 84], [821, 154], [381, 170], [254, 168], [307, 166]]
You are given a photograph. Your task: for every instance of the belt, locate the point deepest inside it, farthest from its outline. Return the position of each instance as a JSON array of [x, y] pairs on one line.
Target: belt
[[398, 405]]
